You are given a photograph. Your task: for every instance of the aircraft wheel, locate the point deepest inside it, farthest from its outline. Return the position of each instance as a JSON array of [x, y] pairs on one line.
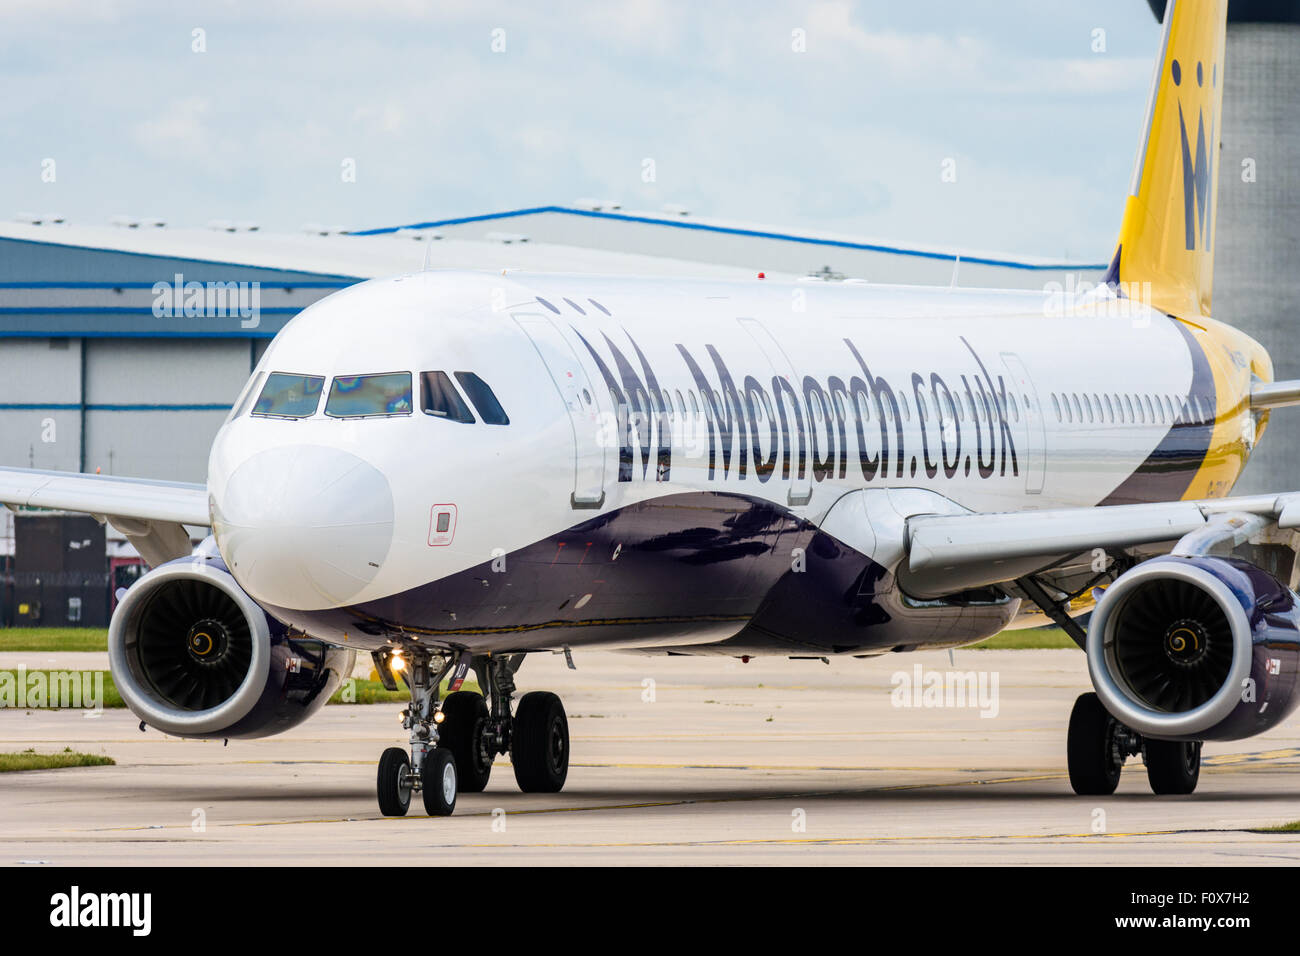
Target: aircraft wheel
[[1093, 757], [1173, 766], [464, 716], [539, 743], [394, 782], [439, 790]]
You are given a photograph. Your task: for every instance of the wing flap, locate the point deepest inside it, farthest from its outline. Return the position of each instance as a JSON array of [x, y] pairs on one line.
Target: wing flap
[[951, 552], [943, 541]]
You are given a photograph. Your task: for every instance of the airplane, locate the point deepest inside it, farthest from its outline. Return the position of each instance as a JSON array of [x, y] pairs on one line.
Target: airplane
[[504, 464]]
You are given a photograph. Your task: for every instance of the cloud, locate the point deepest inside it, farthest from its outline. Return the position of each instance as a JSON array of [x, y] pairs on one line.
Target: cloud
[[847, 136]]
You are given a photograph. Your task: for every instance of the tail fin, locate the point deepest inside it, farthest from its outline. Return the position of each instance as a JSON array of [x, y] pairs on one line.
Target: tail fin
[[1167, 237]]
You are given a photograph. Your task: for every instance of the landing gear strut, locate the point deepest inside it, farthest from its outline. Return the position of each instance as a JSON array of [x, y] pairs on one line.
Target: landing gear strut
[[430, 770], [1098, 745]]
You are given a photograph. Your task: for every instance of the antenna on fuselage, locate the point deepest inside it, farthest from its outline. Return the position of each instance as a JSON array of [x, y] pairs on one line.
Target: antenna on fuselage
[[952, 284], [428, 257]]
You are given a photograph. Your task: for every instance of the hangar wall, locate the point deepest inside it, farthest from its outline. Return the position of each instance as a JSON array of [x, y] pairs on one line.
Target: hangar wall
[[1256, 280], [94, 379]]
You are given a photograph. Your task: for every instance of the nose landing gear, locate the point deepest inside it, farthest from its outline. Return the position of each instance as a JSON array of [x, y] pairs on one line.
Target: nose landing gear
[[430, 770]]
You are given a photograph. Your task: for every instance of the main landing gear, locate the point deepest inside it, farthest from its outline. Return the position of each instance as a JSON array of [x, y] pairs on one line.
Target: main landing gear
[[1099, 744], [453, 744]]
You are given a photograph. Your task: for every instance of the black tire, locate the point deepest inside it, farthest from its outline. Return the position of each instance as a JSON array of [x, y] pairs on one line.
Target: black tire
[[394, 797], [439, 791], [539, 743], [1173, 766], [459, 732], [1094, 769]]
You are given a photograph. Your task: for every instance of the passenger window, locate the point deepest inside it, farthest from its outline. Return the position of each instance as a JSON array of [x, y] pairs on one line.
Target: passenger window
[[365, 396], [489, 409], [438, 397], [289, 396]]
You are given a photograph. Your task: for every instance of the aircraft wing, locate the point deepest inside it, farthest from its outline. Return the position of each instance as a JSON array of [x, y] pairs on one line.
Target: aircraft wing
[[946, 553], [152, 514]]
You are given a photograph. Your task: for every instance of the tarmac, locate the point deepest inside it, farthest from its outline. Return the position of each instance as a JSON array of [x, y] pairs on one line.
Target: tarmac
[[675, 761]]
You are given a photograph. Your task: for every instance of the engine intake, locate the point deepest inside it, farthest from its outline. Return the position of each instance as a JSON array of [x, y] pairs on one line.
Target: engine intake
[[1196, 648], [194, 656]]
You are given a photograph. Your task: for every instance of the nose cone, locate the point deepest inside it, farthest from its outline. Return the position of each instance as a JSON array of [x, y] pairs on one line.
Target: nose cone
[[304, 527]]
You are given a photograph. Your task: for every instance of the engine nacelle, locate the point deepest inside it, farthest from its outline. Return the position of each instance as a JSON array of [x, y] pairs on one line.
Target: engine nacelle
[[194, 656], [1196, 648]]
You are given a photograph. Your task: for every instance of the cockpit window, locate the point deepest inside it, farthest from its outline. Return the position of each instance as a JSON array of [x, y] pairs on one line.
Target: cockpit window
[[289, 396], [247, 396], [438, 396], [489, 409], [364, 396]]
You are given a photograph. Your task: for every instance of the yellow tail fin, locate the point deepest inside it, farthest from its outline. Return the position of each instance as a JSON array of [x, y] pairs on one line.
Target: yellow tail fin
[[1167, 237]]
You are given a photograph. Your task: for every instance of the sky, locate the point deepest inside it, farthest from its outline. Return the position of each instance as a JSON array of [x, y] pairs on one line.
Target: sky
[[996, 125]]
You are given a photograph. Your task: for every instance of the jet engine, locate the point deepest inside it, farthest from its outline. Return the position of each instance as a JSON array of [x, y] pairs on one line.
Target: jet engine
[[194, 656], [1196, 648]]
